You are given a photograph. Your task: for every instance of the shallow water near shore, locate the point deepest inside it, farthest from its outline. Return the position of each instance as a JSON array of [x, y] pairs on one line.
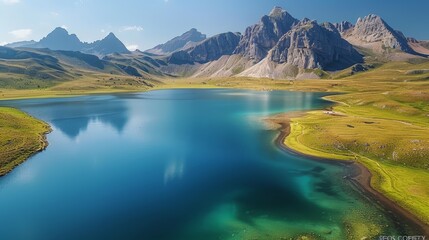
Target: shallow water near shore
[[179, 164]]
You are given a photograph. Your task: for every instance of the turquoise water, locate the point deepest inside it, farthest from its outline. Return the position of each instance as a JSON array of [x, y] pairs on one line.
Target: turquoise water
[[178, 164]]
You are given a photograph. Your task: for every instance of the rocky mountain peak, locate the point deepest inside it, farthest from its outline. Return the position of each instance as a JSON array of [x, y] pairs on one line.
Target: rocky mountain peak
[[309, 45], [208, 50], [372, 29], [261, 37], [60, 39], [109, 44], [111, 36], [277, 12], [59, 30]]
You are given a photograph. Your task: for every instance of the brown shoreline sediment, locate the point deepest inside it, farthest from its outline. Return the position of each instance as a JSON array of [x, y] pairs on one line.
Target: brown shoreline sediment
[[361, 178]]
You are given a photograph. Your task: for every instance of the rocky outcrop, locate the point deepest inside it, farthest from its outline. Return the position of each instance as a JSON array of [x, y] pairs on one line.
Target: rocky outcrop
[[184, 41], [373, 32], [208, 50], [343, 26], [261, 37], [309, 45]]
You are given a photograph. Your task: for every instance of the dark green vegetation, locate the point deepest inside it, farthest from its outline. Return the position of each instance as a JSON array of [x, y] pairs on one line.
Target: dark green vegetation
[[21, 136]]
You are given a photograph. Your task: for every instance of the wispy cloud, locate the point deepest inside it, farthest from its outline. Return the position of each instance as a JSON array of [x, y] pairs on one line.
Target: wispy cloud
[[21, 33], [133, 47], [132, 28], [55, 14], [11, 2]]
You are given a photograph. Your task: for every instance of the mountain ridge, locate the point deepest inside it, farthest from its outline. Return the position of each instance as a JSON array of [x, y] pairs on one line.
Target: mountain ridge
[[277, 46], [60, 39]]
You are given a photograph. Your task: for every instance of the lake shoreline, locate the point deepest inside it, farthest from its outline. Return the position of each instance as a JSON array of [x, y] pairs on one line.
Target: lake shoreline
[[360, 176], [38, 140]]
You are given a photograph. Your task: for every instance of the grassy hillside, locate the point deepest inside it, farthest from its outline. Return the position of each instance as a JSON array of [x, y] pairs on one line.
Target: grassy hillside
[[21, 136], [35, 69], [382, 122]]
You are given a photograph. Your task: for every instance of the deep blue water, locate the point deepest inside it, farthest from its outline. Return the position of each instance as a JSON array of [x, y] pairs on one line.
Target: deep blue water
[[174, 164]]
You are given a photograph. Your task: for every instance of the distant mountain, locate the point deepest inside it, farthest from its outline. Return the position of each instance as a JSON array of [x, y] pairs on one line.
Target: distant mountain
[[278, 46], [184, 41], [374, 33], [20, 44], [108, 45], [60, 39], [208, 50], [421, 47], [263, 36]]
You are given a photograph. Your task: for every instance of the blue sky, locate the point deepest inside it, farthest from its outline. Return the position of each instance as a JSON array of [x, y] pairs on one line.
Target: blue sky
[[146, 23]]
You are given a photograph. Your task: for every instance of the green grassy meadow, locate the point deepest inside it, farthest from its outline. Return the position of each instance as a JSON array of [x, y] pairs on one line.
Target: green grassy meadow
[[21, 136]]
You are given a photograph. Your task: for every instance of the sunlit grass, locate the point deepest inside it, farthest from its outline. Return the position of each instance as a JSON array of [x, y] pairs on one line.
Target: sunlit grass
[[21, 136]]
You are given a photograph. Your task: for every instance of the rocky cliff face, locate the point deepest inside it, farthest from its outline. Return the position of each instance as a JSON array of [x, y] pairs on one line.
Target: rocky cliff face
[[188, 39], [208, 50], [309, 46], [261, 37], [343, 26], [373, 32]]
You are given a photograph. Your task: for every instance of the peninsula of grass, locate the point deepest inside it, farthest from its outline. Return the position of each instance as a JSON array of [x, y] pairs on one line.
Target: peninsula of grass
[[21, 136], [385, 132]]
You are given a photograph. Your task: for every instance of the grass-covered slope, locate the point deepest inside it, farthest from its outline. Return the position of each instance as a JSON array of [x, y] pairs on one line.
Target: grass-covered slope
[[21, 136], [383, 123]]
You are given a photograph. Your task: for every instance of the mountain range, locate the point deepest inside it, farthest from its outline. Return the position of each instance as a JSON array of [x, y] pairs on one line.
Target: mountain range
[[277, 46], [60, 39]]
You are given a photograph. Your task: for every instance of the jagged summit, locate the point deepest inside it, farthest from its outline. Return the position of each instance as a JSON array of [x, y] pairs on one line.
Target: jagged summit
[[310, 45], [277, 12], [261, 37], [374, 33]]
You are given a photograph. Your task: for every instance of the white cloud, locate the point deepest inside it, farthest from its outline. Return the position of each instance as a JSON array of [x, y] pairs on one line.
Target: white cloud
[[55, 14], [133, 47], [21, 33], [3, 43], [11, 2], [132, 28]]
